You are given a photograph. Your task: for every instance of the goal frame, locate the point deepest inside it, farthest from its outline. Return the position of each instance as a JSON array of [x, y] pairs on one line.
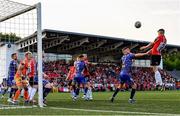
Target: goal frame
[[39, 44]]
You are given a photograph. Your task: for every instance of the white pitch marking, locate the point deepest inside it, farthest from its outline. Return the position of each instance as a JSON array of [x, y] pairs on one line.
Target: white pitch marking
[[16, 107], [108, 111], [91, 110], [111, 111]]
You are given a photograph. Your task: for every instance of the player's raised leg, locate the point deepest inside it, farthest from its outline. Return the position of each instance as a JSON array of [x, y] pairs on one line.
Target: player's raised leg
[[116, 92]]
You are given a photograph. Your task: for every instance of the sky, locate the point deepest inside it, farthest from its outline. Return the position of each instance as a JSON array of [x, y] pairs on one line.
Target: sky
[[114, 18]]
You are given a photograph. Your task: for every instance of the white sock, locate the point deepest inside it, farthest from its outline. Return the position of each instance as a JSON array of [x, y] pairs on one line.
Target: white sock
[[158, 78], [90, 93], [72, 93], [87, 94], [29, 90], [33, 92], [22, 92]]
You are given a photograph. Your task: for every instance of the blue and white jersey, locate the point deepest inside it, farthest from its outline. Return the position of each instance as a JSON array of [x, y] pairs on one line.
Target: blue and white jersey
[[12, 70], [80, 67], [127, 62]]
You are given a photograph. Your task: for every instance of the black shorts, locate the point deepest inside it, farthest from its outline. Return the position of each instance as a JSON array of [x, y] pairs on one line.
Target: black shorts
[[155, 60], [32, 82], [70, 83]]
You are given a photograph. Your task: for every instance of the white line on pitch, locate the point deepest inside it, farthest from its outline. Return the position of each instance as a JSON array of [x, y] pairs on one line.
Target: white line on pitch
[[107, 111], [16, 107], [111, 111]]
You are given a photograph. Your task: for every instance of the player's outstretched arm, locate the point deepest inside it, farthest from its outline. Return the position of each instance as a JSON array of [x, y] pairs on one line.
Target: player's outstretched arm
[[148, 46], [68, 75], [140, 54]]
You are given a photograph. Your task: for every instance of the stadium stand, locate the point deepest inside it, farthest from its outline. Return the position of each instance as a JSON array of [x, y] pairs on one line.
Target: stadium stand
[[105, 76]]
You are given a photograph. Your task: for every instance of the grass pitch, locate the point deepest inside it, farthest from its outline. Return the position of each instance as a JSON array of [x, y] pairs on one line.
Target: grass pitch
[[148, 103]]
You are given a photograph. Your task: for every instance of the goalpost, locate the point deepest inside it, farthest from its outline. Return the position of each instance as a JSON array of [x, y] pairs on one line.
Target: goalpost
[[18, 22]]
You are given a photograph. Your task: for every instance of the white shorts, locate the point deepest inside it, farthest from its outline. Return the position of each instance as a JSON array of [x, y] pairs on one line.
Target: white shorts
[[159, 81]]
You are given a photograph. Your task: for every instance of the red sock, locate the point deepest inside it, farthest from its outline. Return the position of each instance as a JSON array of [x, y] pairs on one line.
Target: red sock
[[26, 95], [17, 94]]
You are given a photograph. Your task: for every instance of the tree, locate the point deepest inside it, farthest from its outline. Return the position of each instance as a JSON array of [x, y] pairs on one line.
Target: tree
[[172, 61], [9, 37]]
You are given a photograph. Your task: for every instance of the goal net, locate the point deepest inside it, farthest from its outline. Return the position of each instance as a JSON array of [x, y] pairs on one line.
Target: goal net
[[19, 22]]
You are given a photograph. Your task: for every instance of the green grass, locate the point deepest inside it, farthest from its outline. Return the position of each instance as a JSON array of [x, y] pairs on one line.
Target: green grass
[[167, 102]]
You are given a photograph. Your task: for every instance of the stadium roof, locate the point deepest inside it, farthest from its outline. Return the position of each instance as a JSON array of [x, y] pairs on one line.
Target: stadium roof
[[63, 42]]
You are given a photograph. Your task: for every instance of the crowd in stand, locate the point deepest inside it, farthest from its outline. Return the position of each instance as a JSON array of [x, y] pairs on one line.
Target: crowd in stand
[[105, 76]]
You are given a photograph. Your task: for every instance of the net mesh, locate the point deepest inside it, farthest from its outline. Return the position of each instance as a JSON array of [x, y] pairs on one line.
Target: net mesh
[[9, 7], [21, 25], [16, 27]]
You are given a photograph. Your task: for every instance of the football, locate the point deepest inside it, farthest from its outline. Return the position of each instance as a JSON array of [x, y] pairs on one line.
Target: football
[[137, 24]]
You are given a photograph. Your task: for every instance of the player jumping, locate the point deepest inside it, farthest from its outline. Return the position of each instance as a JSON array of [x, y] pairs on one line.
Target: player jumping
[[87, 86], [69, 78], [156, 47], [79, 74], [124, 75]]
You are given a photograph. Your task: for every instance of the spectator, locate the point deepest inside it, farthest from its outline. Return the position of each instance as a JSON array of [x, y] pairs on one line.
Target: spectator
[[105, 76]]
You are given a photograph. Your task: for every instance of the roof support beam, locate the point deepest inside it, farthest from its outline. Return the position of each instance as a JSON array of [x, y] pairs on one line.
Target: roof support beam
[[114, 46], [110, 47], [56, 42], [134, 46], [93, 46], [72, 45]]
